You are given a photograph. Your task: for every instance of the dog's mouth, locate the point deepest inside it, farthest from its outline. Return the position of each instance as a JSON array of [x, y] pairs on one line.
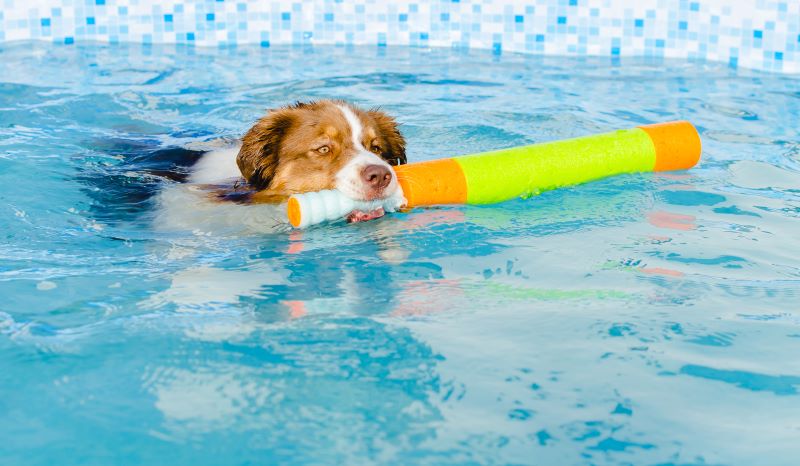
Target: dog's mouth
[[371, 194], [378, 207], [362, 216]]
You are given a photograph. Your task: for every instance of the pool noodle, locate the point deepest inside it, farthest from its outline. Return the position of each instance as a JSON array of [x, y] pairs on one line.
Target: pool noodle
[[505, 174]]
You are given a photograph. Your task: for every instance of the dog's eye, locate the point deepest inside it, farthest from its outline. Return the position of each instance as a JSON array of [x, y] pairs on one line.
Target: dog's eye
[[323, 149], [376, 149]]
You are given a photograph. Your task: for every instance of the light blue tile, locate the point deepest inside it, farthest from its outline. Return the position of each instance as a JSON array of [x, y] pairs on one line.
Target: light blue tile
[[621, 27]]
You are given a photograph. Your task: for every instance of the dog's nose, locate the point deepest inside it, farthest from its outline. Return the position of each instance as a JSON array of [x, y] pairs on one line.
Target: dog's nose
[[376, 176]]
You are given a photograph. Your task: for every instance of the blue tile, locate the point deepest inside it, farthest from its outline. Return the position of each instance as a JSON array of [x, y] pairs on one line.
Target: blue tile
[[611, 23]]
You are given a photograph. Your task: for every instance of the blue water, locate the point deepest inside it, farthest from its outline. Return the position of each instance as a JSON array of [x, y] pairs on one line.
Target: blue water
[[648, 319]]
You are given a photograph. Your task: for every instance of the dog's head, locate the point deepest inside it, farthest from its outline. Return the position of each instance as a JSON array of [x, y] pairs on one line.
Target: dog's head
[[323, 145]]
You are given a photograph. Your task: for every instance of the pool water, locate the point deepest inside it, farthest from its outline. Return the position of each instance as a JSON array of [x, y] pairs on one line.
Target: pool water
[[642, 319]]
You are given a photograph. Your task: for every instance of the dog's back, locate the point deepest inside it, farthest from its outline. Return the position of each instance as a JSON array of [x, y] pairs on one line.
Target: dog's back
[[124, 183]]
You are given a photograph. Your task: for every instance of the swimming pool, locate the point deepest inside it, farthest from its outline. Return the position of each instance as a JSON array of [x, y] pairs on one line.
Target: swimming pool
[[647, 319]]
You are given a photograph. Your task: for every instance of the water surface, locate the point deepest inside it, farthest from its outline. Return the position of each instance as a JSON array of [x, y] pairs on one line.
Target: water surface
[[643, 319]]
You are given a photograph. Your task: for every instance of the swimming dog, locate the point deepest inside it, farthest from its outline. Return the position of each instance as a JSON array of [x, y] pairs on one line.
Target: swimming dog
[[296, 148]]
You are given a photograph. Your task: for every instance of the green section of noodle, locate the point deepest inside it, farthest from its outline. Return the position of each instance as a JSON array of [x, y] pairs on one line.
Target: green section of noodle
[[526, 171]]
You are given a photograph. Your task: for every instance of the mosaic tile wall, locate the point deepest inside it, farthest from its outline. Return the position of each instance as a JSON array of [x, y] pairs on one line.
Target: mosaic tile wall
[[758, 34]]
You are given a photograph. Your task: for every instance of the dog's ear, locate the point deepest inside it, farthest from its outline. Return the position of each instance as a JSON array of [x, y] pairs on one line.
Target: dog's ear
[[258, 158], [396, 145]]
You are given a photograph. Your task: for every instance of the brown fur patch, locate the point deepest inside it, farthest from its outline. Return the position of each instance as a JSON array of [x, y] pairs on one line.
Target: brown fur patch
[[394, 145]]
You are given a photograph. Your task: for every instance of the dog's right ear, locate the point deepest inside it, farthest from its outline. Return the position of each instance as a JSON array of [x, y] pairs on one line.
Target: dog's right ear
[[258, 158]]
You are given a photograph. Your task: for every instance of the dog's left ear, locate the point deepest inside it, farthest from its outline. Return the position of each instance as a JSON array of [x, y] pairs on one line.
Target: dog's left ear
[[396, 145]]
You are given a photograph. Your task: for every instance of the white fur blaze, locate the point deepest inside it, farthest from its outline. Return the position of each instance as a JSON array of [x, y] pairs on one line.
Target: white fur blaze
[[348, 179]]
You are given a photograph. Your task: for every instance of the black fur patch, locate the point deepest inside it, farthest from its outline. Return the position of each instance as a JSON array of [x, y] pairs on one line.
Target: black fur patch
[[123, 186]]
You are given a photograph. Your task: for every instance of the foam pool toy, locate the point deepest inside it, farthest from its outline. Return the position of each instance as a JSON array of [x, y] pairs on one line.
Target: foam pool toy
[[316, 207], [525, 171]]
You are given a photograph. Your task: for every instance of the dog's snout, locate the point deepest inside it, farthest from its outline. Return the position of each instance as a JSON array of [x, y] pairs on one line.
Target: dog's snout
[[376, 176]]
